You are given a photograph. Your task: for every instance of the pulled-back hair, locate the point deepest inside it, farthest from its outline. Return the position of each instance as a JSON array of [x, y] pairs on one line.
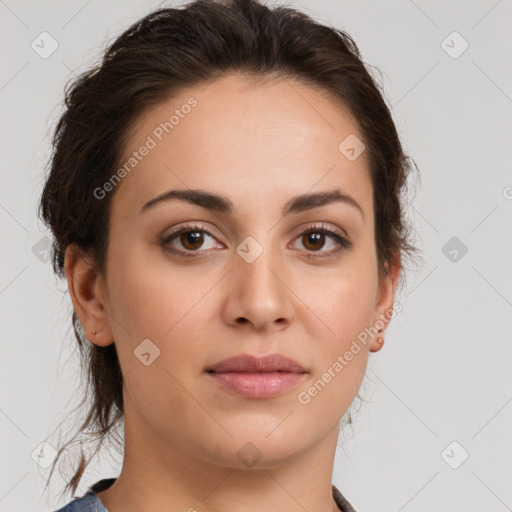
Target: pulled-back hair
[[159, 56]]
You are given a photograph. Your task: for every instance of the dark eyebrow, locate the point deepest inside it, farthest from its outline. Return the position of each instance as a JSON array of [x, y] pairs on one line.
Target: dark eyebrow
[[223, 205]]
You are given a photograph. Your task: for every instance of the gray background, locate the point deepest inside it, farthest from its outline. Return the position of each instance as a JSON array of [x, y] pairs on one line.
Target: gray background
[[444, 373]]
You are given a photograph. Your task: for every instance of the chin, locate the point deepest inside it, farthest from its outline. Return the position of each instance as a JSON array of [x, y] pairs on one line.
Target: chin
[[252, 450]]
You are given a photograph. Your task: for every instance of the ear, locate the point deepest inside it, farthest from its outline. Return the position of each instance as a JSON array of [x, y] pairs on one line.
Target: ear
[[385, 301], [88, 293]]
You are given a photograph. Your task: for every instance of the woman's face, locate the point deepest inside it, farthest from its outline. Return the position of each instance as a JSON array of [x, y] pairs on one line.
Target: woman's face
[[256, 274]]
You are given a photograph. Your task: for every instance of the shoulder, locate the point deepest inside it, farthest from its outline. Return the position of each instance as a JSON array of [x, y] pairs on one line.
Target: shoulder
[[341, 501], [89, 502]]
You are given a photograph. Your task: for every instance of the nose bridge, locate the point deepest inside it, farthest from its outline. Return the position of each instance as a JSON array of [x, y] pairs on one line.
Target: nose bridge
[[258, 263], [259, 290]]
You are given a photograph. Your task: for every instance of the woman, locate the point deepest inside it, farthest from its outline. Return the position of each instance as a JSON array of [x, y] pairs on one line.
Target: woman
[[226, 197]]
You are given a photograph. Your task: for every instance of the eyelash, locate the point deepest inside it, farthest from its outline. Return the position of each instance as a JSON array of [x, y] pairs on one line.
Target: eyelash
[[343, 243]]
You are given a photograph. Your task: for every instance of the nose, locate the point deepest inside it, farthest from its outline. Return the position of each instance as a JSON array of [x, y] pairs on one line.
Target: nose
[[258, 296]]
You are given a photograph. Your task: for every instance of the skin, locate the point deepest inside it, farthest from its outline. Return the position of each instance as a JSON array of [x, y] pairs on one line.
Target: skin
[[258, 145]]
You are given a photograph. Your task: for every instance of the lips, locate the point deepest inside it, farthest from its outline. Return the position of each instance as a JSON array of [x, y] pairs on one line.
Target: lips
[[251, 364], [257, 377]]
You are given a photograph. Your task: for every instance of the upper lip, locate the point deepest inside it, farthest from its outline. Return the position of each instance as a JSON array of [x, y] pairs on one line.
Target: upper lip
[[251, 364]]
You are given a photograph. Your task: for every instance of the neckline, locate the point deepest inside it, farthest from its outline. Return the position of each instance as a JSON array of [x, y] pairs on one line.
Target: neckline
[[105, 483]]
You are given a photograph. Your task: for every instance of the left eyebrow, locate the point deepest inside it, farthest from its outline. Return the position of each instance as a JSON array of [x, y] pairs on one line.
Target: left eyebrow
[[222, 204]]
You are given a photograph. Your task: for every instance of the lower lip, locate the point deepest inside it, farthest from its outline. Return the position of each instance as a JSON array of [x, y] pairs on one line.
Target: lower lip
[[258, 385]]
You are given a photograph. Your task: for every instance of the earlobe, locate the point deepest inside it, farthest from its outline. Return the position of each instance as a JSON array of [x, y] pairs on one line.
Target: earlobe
[[87, 290]]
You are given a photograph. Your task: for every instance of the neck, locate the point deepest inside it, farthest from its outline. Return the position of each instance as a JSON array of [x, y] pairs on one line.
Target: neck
[[159, 476]]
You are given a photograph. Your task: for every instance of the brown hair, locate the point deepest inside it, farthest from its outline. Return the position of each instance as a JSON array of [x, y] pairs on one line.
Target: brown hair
[[157, 56]]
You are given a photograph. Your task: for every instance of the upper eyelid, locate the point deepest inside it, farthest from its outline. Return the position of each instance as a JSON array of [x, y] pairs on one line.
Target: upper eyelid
[[190, 226], [319, 225]]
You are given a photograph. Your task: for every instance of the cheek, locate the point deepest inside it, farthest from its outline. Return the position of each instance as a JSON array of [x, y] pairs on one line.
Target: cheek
[[148, 303], [161, 396], [147, 299], [351, 310], [342, 355], [344, 303]]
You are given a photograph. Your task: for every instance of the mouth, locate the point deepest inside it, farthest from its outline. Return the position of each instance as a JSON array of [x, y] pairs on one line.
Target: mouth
[[257, 377], [252, 364]]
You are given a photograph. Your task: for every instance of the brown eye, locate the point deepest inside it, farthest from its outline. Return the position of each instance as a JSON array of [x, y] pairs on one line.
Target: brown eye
[[318, 238], [313, 241], [192, 240], [189, 240]]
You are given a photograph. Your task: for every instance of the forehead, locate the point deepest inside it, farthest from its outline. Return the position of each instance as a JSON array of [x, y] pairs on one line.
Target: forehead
[[245, 139]]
